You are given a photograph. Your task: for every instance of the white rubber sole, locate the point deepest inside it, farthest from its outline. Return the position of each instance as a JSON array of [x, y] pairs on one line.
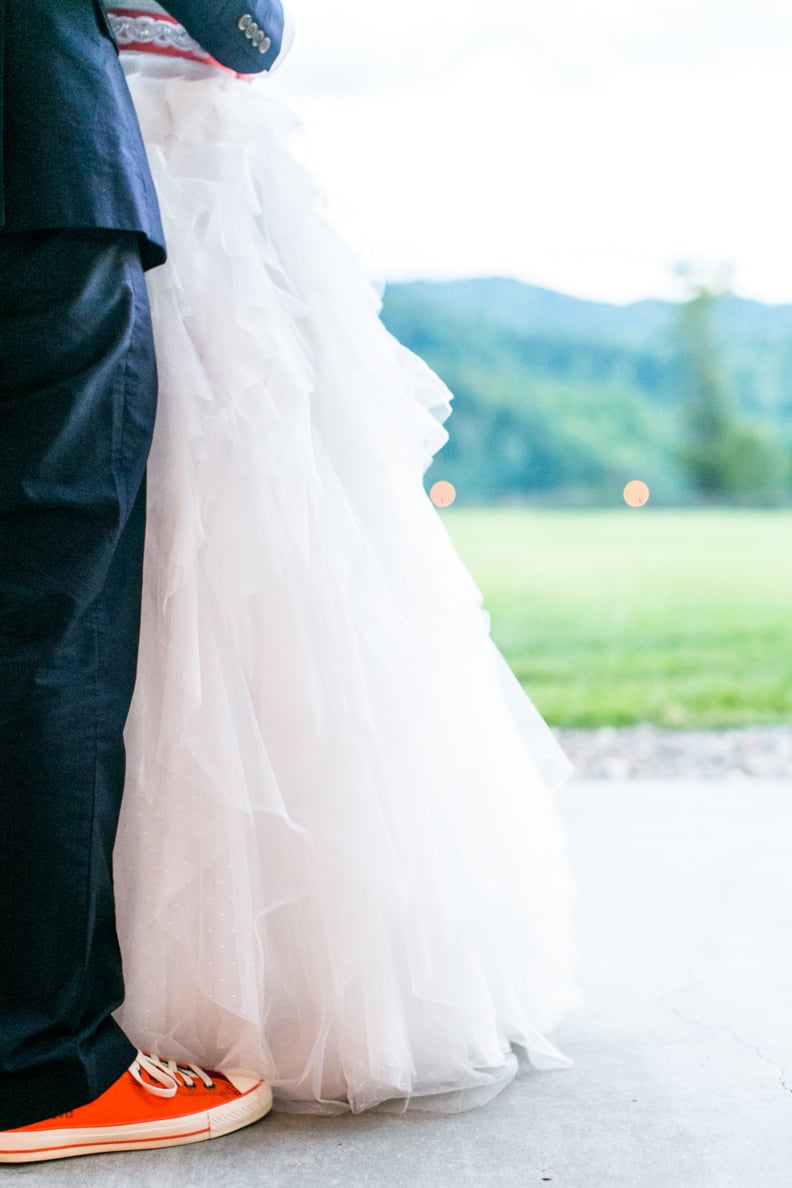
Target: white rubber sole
[[33, 1147]]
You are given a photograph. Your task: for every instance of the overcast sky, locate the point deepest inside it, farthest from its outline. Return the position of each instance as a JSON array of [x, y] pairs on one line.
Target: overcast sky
[[583, 146]]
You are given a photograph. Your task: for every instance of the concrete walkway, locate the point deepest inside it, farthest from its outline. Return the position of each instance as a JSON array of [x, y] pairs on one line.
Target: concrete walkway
[[683, 1051]]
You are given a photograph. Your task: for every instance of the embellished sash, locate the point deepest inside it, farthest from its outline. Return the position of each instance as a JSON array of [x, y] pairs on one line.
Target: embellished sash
[[137, 31]]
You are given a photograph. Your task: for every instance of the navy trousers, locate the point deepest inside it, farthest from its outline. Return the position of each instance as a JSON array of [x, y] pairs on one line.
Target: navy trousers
[[77, 407]]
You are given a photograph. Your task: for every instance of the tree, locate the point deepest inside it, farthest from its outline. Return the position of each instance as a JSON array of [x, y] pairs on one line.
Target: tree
[[724, 455]]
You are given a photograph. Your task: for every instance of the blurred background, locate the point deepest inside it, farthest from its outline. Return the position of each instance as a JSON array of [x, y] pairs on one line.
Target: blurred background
[[580, 216]]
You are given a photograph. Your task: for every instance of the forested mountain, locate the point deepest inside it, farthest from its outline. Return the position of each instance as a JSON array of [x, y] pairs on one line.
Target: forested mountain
[[563, 398]]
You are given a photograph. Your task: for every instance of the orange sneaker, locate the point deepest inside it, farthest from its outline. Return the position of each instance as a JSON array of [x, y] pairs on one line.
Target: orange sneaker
[[156, 1103]]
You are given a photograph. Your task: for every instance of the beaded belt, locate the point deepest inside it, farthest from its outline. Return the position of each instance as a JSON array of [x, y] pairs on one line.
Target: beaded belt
[[140, 32]]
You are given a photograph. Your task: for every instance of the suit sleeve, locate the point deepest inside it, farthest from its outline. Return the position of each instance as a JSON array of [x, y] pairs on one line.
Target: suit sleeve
[[248, 36]]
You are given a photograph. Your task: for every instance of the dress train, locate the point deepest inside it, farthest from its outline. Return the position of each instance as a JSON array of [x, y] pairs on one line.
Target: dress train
[[339, 860]]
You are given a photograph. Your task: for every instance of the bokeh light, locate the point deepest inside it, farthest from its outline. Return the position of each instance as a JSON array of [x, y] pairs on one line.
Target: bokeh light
[[442, 494], [636, 493]]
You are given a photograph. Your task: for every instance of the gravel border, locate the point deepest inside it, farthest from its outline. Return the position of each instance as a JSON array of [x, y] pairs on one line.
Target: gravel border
[[646, 752]]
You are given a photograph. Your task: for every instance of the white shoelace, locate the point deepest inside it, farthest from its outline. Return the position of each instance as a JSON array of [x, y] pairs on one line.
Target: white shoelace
[[168, 1074]]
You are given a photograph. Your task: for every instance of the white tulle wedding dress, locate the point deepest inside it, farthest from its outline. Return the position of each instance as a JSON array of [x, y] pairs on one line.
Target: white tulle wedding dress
[[339, 862]]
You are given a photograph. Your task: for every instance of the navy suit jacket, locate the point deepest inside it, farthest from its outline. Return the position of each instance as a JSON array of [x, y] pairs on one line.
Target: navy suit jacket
[[71, 154]]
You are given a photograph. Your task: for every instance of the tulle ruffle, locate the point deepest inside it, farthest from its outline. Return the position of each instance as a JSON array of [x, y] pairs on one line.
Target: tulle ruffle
[[339, 861]]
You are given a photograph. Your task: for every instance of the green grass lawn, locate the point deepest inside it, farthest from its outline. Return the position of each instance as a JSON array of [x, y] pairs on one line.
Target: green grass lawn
[[681, 618]]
